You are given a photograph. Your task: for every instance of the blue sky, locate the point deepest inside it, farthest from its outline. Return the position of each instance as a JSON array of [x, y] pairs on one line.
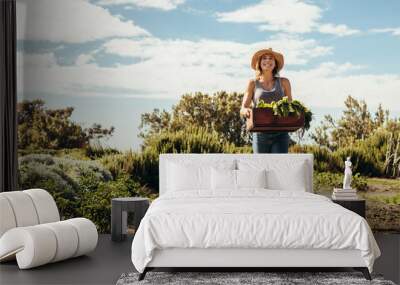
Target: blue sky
[[111, 54]]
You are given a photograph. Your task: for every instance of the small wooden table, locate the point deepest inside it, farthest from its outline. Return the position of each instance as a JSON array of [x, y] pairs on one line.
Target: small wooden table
[[357, 206], [119, 214]]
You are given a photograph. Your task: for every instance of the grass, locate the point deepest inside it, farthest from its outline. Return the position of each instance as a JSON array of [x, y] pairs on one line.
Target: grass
[[383, 185], [392, 200]]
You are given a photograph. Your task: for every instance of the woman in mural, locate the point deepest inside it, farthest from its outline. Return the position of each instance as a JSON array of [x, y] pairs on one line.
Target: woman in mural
[[267, 86]]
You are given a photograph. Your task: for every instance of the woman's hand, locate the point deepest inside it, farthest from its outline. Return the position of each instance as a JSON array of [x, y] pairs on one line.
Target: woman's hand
[[245, 112]]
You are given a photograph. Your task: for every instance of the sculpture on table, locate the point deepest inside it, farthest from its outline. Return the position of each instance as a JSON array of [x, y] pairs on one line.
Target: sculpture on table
[[347, 174]]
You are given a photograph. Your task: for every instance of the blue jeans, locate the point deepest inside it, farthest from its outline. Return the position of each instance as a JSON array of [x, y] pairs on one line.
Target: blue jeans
[[270, 142]]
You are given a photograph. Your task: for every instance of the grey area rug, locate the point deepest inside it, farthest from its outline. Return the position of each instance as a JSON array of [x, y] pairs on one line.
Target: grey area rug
[[231, 278]]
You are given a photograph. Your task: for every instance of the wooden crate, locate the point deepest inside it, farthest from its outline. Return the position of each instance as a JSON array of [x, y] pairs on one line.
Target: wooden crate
[[263, 120]]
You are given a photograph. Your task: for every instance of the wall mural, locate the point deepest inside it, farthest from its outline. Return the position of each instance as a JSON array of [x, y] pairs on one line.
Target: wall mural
[[105, 86]]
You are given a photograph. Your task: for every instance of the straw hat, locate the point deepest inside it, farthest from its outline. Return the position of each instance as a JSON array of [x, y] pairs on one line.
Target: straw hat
[[278, 57]]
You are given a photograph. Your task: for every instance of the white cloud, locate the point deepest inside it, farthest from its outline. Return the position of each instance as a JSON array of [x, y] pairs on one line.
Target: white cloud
[[170, 68], [297, 51], [291, 16], [327, 85], [287, 15], [85, 58], [75, 21], [42, 60], [158, 4], [324, 86], [167, 68], [339, 30], [329, 68], [28, 63], [393, 31]]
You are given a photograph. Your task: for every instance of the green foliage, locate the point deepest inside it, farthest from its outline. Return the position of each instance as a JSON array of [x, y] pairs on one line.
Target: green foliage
[[61, 177], [74, 153], [143, 166], [324, 158], [284, 108], [80, 188], [355, 124], [372, 143], [188, 140], [392, 157], [327, 179], [96, 202], [362, 160], [96, 205], [41, 128], [217, 113], [95, 151]]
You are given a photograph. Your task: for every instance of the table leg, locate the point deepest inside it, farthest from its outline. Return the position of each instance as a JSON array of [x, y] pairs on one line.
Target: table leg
[[116, 221], [124, 221]]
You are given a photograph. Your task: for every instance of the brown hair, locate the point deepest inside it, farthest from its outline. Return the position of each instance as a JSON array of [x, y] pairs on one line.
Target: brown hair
[[259, 71]]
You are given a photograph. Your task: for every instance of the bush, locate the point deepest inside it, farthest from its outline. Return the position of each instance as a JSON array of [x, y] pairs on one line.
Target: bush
[[366, 160], [95, 151], [62, 177], [96, 205], [189, 140], [328, 180], [362, 160], [142, 167], [324, 159], [80, 188]]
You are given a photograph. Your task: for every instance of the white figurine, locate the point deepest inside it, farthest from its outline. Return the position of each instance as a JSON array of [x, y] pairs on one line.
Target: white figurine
[[347, 174]]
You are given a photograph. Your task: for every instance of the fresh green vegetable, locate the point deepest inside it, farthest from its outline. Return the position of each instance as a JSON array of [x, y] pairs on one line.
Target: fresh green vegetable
[[284, 108]]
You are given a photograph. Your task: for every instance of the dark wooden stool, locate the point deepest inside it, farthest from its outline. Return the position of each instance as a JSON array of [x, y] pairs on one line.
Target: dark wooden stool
[[119, 214]]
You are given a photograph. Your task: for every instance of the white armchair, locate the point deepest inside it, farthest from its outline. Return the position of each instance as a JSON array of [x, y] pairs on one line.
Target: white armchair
[[31, 230]]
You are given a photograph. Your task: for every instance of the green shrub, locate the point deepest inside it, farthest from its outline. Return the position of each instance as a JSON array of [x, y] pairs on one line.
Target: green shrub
[[96, 204], [95, 151], [189, 140], [61, 187], [324, 159], [75, 153], [327, 181], [62, 177], [239, 149], [362, 161], [142, 167], [366, 160]]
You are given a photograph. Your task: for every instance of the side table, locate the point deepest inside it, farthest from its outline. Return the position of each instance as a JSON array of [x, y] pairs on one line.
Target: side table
[[357, 206], [119, 214]]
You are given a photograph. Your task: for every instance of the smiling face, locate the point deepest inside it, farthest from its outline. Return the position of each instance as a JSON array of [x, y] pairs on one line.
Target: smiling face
[[267, 62]]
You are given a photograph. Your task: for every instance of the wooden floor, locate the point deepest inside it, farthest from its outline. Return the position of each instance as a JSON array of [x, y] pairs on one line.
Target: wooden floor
[[111, 259]]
